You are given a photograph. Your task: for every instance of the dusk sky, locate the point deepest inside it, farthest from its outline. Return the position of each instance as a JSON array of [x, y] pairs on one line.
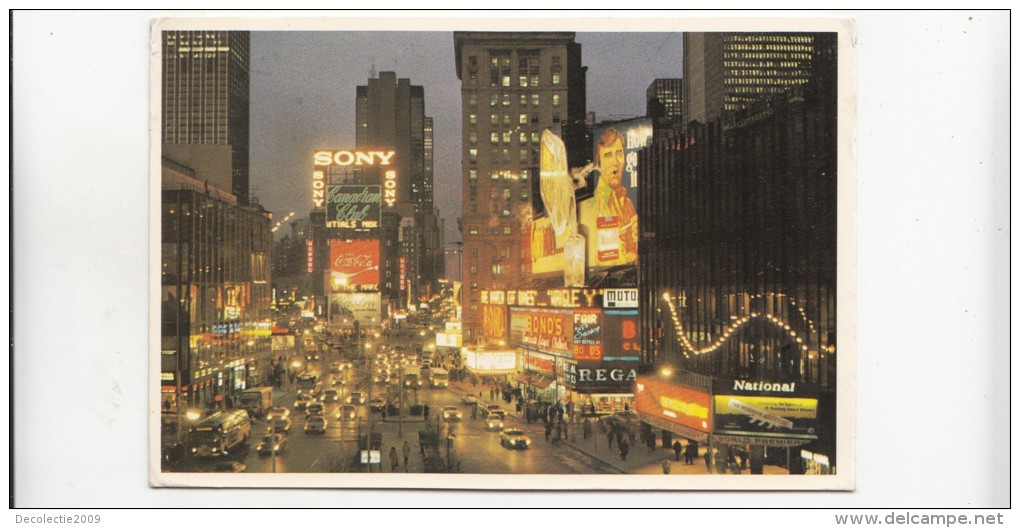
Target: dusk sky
[[303, 92]]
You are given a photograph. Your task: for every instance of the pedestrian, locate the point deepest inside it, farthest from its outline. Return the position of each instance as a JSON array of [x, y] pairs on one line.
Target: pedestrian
[[665, 466], [609, 437], [677, 448], [690, 452], [559, 433], [624, 449], [708, 460], [548, 430], [407, 453], [492, 393], [586, 428], [425, 411], [393, 458], [384, 413], [474, 412]]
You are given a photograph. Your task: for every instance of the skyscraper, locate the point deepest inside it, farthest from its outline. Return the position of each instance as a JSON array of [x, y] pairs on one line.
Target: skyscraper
[[205, 103], [729, 71], [390, 114], [664, 102], [513, 86]]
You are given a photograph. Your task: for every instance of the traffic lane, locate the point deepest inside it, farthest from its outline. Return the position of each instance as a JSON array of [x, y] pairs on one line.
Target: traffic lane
[[308, 453]]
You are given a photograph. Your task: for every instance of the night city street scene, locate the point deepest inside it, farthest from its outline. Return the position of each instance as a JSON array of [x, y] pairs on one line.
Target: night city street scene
[[489, 253]]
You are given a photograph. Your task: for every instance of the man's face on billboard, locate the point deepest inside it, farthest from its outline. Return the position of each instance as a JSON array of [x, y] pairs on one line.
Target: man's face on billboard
[[611, 160]]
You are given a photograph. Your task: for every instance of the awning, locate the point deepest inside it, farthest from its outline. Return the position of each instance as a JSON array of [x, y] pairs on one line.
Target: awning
[[524, 377], [541, 381]]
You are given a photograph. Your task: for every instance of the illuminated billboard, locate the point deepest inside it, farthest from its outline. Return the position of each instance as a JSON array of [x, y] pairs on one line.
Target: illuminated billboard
[[366, 308], [768, 409], [448, 340], [587, 334], [483, 361], [620, 339], [554, 207], [610, 217], [494, 322], [353, 206], [354, 265], [673, 403], [542, 329]]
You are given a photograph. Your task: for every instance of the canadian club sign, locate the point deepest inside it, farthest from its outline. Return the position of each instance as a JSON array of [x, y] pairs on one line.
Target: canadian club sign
[[353, 206]]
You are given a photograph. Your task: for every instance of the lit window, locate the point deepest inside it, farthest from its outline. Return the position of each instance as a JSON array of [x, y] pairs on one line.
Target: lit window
[[524, 155], [525, 173], [473, 100], [473, 119], [556, 99], [473, 174], [524, 137], [493, 99], [505, 81], [473, 270], [494, 138], [506, 136], [473, 155], [534, 100], [473, 137], [524, 99], [555, 78], [506, 230], [523, 81], [506, 99], [494, 175], [523, 119]]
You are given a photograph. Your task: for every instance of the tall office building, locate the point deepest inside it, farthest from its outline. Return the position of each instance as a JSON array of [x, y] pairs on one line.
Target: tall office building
[[390, 114], [513, 86], [664, 102], [205, 104], [729, 71]]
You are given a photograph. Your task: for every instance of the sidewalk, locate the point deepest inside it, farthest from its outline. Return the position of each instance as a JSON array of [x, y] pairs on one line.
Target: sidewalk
[[639, 460]]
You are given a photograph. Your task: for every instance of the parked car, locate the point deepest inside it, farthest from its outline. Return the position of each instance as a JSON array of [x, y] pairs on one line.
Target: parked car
[[272, 443], [316, 424], [514, 439]]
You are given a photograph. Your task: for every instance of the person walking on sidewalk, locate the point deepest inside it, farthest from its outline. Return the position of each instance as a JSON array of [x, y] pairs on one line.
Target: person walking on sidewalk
[[425, 411], [548, 431], [690, 452], [609, 436], [586, 429], [677, 448], [624, 449], [407, 453], [393, 459]]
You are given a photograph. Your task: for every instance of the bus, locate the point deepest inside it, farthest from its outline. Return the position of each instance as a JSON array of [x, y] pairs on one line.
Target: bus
[[219, 433], [412, 378], [257, 400], [439, 378], [308, 383]]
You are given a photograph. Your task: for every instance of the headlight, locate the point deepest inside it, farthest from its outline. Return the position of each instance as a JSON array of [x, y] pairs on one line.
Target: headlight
[[527, 442]]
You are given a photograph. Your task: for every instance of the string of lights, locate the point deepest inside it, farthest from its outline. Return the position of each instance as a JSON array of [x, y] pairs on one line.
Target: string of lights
[[739, 322]]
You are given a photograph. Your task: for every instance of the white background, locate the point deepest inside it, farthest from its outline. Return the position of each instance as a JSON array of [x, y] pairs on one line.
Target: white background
[[933, 369]]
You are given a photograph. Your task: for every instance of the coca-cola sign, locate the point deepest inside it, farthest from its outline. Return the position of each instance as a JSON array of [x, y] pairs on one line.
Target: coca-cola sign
[[354, 264]]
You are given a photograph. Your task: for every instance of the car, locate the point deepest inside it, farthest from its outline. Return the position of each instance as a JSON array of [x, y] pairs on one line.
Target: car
[[278, 412], [491, 407], [338, 381], [346, 412], [330, 396], [469, 399], [226, 466], [336, 367], [316, 424], [312, 357], [514, 439], [280, 425], [493, 422], [451, 414], [272, 443], [377, 404], [500, 412], [356, 398], [315, 409], [303, 400]]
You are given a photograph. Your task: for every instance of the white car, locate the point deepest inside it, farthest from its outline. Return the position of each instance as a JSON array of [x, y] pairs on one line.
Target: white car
[[451, 414], [469, 399]]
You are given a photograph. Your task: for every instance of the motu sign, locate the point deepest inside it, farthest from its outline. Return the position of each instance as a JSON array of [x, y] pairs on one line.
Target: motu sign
[[620, 298]]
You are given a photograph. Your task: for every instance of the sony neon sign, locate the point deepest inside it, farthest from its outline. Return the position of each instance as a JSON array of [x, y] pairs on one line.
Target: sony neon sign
[[347, 158]]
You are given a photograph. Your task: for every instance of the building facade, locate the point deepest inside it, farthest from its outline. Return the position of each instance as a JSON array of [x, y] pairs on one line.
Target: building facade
[[204, 101], [513, 86], [664, 102], [216, 293], [729, 71], [738, 266]]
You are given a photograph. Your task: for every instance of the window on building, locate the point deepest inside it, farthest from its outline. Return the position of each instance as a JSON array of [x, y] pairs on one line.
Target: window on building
[[474, 286], [506, 119], [535, 137], [472, 192], [556, 99], [472, 137], [494, 175], [473, 100], [473, 79], [506, 230], [555, 78], [506, 194], [522, 81], [535, 100], [497, 270], [505, 81], [473, 61], [556, 60], [534, 119], [524, 155], [524, 99], [523, 119], [506, 155], [524, 137], [494, 138], [506, 99], [473, 119], [556, 117], [506, 136], [473, 270], [473, 155], [473, 174], [494, 119], [494, 99]]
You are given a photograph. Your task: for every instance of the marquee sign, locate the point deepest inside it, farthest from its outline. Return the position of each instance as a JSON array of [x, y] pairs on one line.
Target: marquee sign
[[353, 206]]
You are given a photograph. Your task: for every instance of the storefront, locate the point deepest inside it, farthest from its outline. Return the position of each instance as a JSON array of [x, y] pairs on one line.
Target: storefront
[[600, 387], [495, 364]]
